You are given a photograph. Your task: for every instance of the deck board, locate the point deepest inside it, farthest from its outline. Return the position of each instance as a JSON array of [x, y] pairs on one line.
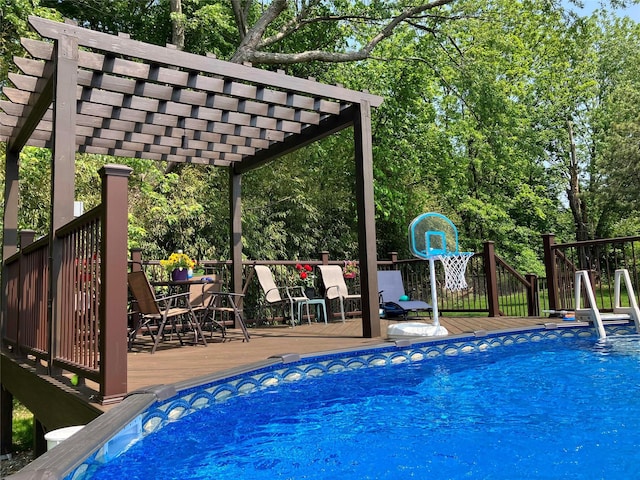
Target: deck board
[[173, 364]]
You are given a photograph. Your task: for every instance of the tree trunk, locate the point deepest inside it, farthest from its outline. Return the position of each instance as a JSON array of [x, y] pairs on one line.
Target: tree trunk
[[576, 202], [177, 38], [177, 24]]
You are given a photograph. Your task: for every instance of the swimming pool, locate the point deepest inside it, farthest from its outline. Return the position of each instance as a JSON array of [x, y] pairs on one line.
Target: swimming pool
[[516, 406]]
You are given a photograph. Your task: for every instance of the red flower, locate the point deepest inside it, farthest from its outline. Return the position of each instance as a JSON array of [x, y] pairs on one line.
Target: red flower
[[303, 275], [299, 267], [308, 268]]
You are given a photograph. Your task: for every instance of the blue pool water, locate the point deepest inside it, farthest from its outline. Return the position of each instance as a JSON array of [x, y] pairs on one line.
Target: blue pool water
[[551, 409]]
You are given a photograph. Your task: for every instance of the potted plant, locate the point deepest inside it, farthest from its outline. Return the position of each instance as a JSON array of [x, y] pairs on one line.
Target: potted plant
[[178, 265], [350, 269], [307, 279]]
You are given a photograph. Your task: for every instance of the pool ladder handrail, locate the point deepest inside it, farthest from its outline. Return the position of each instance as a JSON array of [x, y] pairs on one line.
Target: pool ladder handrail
[[593, 314]]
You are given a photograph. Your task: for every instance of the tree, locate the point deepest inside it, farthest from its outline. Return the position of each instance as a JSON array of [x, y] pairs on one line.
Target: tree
[[282, 19], [616, 123], [478, 99]]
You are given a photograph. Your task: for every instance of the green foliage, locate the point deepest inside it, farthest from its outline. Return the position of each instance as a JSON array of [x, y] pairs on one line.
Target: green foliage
[[22, 427], [179, 211], [209, 28], [143, 20], [458, 132], [35, 190], [302, 204], [14, 25], [616, 175]]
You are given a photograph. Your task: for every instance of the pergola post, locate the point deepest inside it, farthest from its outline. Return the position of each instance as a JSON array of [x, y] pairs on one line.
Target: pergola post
[[235, 217], [11, 197], [10, 226], [366, 221], [63, 168]]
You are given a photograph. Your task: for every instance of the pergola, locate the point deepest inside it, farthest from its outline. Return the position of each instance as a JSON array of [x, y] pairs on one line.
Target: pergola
[[120, 97]]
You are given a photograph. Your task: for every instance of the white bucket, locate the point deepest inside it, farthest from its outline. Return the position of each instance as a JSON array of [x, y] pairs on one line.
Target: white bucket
[[54, 437]]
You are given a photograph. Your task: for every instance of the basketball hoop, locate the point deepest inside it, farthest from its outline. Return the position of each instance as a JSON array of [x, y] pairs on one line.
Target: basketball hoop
[[432, 236], [455, 266]]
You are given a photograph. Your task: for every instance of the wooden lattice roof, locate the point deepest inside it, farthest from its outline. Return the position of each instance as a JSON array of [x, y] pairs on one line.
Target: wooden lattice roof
[[145, 101]]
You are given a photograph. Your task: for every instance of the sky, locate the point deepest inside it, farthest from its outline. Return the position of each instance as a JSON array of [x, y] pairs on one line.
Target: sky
[[590, 5]]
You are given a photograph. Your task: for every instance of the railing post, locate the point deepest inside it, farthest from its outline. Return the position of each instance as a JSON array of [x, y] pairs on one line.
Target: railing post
[[533, 300], [394, 258], [548, 240], [136, 259], [324, 257], [26, 238], [113, 286], [491, 279]]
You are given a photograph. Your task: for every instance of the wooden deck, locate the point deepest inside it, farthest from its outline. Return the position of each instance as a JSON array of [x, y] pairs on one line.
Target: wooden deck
[[58, 402], [173, 363]]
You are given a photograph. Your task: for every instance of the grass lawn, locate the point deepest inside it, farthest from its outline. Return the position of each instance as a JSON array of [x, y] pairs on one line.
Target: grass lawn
[[22, 427]]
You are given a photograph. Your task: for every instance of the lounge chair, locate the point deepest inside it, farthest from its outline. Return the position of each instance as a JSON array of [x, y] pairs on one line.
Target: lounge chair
[[335, 286], [392, 290], [285, 297], [160, 311]]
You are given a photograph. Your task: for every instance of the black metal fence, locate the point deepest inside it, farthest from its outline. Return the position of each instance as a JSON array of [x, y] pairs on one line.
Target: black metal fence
[[601, 258], [493, 287]]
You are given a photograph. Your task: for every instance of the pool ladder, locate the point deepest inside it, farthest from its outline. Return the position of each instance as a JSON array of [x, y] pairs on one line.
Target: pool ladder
[[592, 313]]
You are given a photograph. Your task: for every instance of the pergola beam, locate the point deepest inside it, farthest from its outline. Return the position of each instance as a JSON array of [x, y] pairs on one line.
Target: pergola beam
[[313, 133], [34, 112], [157, 55]]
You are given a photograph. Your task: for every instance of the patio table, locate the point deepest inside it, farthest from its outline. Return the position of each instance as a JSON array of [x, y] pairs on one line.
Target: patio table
[[316, 302]]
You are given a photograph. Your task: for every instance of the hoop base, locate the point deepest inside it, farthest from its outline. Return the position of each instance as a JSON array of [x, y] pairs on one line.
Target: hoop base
[[403, 330], [455, 266]]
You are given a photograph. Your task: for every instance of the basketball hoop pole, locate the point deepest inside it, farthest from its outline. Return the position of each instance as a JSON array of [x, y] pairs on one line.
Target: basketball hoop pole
[[434, 293], [432, 236]]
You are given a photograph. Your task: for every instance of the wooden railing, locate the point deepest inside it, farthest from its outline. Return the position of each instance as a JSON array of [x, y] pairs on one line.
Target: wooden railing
[[284, 273], [78, 335], [494, 287], [28, 282], [601, 258], [65, 327]]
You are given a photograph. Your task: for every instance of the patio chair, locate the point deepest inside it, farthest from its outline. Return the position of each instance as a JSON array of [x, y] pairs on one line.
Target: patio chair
[[335, 286], [273, 297], [392, 291], [160, 311], [220, 309]]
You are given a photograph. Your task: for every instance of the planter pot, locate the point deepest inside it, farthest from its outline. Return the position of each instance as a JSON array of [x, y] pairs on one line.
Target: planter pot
[[349, 275], [179, 274]]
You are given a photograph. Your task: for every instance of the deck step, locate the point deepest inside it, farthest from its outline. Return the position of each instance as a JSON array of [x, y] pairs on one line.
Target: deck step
[[614, 316], [586, 316]]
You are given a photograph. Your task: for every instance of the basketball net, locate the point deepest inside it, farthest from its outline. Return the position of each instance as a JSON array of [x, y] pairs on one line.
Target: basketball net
[[455, 266]]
